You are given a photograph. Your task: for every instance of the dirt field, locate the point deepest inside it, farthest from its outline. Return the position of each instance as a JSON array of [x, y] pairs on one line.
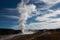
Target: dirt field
[[38, 36]]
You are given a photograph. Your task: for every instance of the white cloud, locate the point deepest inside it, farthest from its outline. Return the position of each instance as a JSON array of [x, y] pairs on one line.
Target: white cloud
[[43, 25], [14, 17], [16, 27], [53, 13], [10, 9], [49, 3], [48, 24], [45, 17]]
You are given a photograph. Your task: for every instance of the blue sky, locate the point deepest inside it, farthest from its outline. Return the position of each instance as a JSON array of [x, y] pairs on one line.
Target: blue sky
[[6, 22], [47, 17]]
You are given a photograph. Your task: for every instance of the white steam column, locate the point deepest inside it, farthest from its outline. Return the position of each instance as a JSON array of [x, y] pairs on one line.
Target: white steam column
[[25, 11]]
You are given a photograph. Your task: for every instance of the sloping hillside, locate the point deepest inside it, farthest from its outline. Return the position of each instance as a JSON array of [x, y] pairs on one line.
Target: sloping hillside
[[39, 36], [53, 34]]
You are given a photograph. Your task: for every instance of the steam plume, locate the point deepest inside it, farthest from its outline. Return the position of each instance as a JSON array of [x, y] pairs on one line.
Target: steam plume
[[25, 10]]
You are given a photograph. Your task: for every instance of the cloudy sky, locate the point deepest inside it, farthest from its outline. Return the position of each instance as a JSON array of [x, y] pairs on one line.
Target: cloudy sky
[[44, 14]]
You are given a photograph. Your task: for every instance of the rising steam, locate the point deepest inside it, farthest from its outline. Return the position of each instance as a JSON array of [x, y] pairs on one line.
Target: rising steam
[[25, 10]]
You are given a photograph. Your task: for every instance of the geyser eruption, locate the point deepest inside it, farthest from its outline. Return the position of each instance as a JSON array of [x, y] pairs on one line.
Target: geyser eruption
[[25, 10]]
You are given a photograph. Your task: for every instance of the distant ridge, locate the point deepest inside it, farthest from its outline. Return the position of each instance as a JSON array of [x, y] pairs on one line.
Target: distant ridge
[[42, 30], [4, 31], [8, 31]]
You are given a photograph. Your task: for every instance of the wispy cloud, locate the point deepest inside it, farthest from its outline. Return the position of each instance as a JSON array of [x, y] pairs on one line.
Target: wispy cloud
[[16, 27], [9, 9], [11, 16], [14, 17], [49, 3], [49, 23], [46, 16], [43, 25]]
